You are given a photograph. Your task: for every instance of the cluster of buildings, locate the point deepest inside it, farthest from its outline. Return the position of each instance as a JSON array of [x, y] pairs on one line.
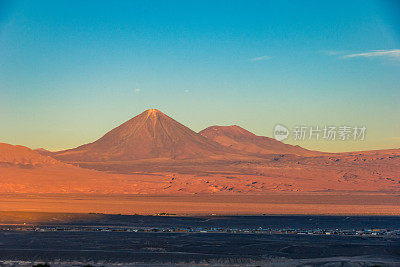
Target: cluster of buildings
[[342, 232]]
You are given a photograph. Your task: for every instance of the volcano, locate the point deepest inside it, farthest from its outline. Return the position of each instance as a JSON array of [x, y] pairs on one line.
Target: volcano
[[240, 139], [151, 134]]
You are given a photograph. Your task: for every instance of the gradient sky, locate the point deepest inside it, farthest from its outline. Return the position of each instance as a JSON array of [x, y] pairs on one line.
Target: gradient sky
[[72, 70]]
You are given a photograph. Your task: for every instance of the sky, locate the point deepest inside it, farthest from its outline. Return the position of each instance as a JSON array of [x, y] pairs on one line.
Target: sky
[[72, 70]]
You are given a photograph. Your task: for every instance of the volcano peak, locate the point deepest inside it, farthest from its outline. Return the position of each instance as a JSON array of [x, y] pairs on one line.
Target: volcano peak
[[151, 134], [153, 112]]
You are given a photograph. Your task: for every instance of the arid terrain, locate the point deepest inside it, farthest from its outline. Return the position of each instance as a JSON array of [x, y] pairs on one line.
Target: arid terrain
[[166, 167]]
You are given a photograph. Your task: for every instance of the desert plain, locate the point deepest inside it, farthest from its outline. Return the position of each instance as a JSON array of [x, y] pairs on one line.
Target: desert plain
[[152, 164]]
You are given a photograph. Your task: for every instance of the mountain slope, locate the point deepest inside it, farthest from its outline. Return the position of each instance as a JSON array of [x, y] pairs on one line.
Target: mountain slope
[[240, 139], [151, 134], [23, 170], [23, 157]]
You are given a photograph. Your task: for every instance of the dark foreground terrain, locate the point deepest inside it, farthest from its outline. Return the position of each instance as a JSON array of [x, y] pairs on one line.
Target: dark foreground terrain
[[117, 240], [112, 248]]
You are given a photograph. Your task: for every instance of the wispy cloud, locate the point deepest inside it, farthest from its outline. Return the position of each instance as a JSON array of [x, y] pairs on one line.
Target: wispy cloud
[[186, 91], [260, 58], [137, 90], [393, 54], [332, 52]]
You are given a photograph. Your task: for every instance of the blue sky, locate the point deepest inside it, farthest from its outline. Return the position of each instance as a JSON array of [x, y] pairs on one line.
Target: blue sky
[[72, 70]]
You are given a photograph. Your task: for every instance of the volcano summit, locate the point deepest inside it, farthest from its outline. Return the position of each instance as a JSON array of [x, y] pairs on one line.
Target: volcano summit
[[151, 134]]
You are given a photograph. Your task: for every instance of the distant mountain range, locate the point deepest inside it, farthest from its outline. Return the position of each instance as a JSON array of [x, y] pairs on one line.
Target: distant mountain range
[[152, 134], [154, 154]]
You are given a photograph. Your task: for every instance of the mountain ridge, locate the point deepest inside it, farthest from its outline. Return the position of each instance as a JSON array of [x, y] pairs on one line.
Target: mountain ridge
[[243, 140], [23, 156], [152, 134]]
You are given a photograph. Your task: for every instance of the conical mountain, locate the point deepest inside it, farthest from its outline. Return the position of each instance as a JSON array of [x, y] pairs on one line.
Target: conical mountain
[[237, 138], [152, 134]]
